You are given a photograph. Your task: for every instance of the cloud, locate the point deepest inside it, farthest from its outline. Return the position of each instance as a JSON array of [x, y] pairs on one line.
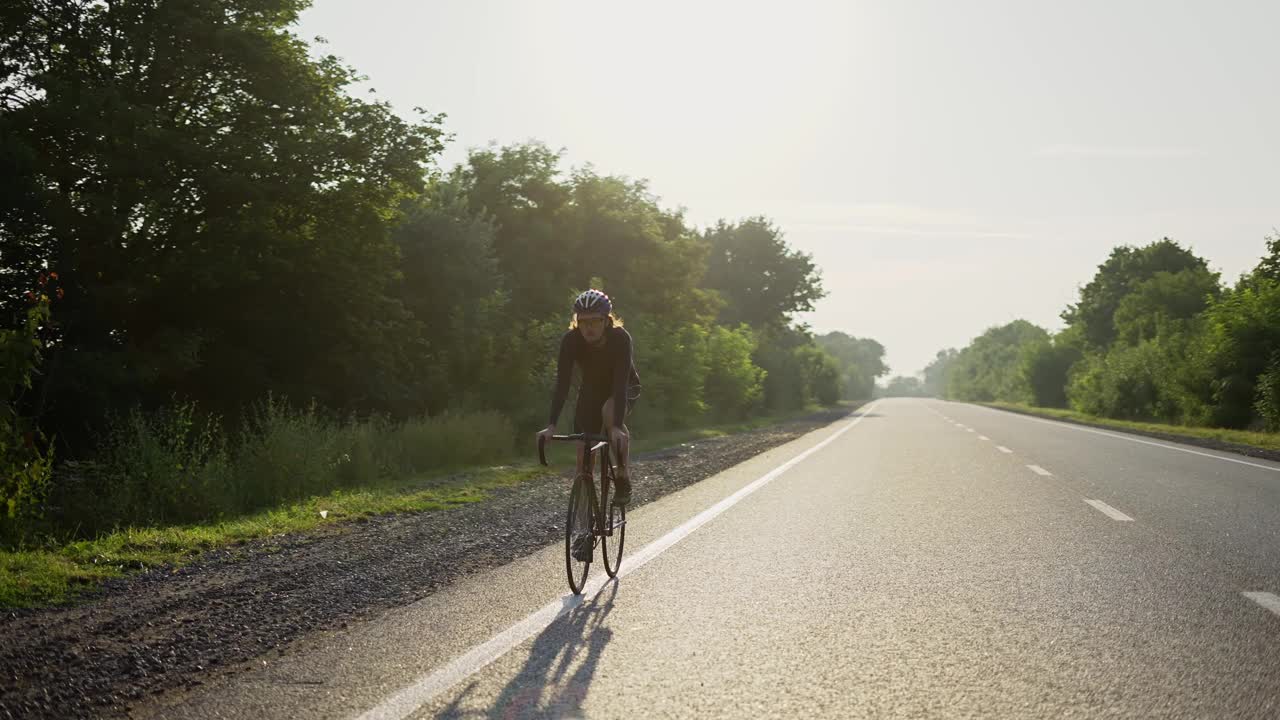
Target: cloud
[[895, 219], [910, 230], [1118, 152]]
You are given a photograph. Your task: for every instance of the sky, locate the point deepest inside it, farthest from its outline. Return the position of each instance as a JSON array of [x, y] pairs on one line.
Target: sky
[[950, 166]]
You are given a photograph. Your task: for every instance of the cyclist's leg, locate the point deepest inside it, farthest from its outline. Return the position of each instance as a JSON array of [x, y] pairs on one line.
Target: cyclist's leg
[[622, 450], [585, 422], [582, 422]]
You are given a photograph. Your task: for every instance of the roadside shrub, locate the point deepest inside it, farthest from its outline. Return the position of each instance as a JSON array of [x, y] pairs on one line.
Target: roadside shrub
[[1045, 367], [168, 467], [674, 361], [784, 381], [452, 440], [820, 374], [25, 466], [1119, 384], [286, 453], [175, 466], [1268, 400], [734, 384]]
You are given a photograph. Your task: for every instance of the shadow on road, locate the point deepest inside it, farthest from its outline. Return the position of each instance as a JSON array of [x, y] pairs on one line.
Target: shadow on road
[[557, 675]]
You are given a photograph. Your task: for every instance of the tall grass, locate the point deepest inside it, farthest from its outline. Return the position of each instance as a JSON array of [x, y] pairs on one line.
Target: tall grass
[[178, 466]]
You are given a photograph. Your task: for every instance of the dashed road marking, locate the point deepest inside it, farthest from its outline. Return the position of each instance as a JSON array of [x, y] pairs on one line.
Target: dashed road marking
[[1109, 511], [1039, 470], [1004, 449], [1267, 600]]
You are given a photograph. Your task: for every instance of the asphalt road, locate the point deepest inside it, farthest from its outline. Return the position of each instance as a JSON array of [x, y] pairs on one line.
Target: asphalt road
[[926, 559]]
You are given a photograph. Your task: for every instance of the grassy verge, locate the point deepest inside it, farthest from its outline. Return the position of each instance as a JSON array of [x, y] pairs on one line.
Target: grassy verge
[[59, 573], [1263, 441]]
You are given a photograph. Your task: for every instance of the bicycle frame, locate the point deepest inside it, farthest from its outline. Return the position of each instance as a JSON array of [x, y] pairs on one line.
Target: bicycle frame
[[599, 500]]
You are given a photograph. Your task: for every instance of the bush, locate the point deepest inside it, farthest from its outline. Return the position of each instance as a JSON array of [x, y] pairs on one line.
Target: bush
[[175, 466], [169, 467], [675, 362], [1268, 400], [1119, 384], [452, 440], [25, 468], [1242, 335], [990, 368], [285, 453], [820, 374], [1165, 379], [784, 381], [734, 384], [1045, 368]]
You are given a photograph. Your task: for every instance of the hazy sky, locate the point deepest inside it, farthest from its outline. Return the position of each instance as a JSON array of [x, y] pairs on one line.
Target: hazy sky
[[950, 165]]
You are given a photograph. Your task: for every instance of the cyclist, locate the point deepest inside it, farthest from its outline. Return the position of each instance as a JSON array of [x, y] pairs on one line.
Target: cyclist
[[599, 346]]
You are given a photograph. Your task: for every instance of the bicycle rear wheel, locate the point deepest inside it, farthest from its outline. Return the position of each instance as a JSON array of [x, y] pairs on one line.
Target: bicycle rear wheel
[[578, 522]]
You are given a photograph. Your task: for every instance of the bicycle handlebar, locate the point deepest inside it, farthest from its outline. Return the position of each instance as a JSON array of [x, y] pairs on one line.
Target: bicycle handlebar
[[576, 437]]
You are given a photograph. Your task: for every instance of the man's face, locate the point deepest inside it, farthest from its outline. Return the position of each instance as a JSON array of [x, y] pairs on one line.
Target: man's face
[[592, 327]]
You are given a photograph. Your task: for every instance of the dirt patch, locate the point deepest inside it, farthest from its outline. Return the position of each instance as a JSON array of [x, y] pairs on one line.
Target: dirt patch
[[170, 628]]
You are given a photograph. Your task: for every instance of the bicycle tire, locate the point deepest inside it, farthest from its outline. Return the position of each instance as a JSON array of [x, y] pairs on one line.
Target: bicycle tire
[[577, 580], [615, 536]]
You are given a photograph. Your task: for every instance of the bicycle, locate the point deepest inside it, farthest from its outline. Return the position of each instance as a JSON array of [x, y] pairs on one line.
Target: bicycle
[[608, 530]]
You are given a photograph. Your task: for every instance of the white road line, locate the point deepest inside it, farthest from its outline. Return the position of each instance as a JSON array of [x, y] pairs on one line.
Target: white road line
[[983, 437], [1004, 449], [1109, 511], [407, 700], [1266, 600], [968, 429], [1130, 438], [1039, 470]]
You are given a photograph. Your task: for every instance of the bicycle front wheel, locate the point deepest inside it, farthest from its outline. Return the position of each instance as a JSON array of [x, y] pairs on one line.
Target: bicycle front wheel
[[577, 524], [615, 533]]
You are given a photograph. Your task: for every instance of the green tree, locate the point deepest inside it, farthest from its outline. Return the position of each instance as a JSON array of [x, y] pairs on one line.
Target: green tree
[[674, 363], [990, 368], [861, 361], [25, 465], [784, 381], [1165, 302], [646, 257], [903, 386], [1269, 266], [1046, 367], [1119, 276], [455, 291], [522, 188], [820, 373], [218, 207], [734, 384], [937, 375], [1242, 335], [762, 280]]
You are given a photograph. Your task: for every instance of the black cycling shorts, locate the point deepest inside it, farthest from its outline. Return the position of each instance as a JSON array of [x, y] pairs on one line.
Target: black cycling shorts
[[588, 415]]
